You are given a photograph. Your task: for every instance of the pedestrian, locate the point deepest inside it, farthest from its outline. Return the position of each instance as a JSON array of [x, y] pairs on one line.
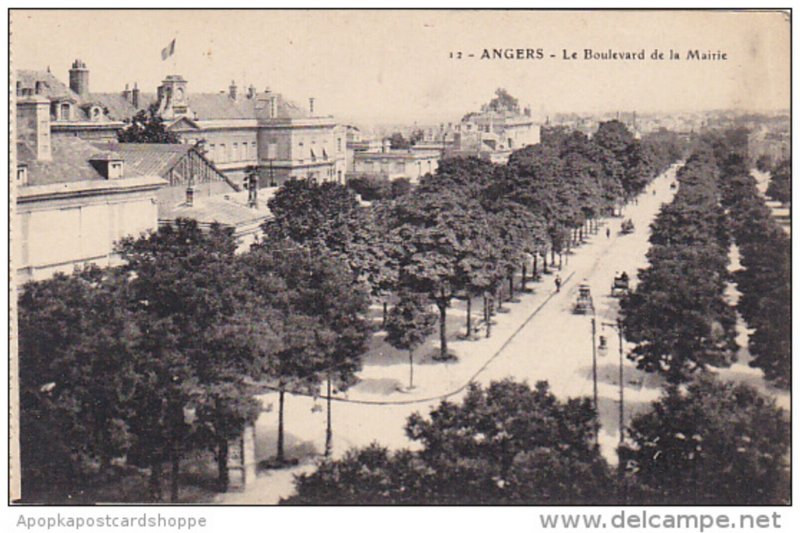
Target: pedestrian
[[608, 233], [558, 283]]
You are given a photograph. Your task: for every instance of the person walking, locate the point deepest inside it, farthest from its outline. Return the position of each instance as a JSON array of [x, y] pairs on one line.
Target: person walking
[[558, 283], [608, 233]]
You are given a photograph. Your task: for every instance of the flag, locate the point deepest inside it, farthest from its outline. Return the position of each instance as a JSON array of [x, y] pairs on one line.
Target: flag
[[168, 51]]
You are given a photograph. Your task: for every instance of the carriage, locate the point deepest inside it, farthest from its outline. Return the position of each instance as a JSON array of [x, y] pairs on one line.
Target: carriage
[[584, 303], [621, 285], [626, 227]]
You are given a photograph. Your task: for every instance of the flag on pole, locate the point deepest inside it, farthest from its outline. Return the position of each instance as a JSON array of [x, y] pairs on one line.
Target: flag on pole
[[168, 51]]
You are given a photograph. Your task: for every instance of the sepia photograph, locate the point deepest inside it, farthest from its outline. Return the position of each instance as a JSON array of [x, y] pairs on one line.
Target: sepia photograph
[[400, 257]]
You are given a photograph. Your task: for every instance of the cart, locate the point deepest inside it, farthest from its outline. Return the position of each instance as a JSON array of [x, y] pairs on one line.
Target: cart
[[620, 286], [583, 304], [626, 227]]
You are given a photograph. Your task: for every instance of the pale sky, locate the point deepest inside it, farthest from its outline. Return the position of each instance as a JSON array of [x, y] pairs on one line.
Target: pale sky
[[394, 66]]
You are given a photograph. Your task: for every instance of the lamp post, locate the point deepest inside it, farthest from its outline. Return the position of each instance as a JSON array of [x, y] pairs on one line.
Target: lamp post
[[594, 380], [620, 466]]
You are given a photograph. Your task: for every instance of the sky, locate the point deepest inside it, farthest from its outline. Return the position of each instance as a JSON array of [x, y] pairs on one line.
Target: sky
[[396, 66]]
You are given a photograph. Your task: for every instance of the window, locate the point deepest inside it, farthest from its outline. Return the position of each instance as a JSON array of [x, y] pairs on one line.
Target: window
[[338, 144], [236, 152], [253, 150], [115, 170], [339, 176], [222, 153], [212, 151], [324, 154], [65, 112], [22, 175], [313, 155]]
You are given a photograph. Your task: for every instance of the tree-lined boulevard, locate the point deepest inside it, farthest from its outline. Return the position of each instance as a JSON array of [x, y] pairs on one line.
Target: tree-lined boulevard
[[348, 322]]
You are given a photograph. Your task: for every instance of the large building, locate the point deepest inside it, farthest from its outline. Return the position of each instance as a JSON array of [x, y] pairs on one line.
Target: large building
[[237, 129], [73, 200], [492, 134]]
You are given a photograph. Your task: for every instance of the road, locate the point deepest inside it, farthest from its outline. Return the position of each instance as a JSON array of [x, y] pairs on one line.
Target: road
[[538, 339]]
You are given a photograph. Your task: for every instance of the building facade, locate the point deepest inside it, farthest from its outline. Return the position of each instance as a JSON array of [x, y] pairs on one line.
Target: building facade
[[73, 201], [411, 164]]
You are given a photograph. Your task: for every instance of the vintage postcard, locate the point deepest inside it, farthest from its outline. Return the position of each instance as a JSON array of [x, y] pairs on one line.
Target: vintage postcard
[[401, 257]]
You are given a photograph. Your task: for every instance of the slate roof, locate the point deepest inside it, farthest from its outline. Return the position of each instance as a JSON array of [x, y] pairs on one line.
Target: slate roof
[[148, 159], [71, 162], [52, 87], [228, 209], [119, 108]]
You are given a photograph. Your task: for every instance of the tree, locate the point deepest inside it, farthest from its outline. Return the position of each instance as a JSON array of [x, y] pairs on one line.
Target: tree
[[323, 332], [409, 324], [147, 127], [371, 188], [764, 163], [780, 184], [712, 443], [504, 444], [503, 101], [184, 287], [309, 213], [76, 377]]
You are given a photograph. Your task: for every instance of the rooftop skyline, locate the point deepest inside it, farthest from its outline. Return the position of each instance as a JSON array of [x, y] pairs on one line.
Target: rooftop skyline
[[395, 66]]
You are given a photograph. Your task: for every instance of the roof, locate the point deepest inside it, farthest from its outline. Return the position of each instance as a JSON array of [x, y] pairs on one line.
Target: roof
[[229, 209], [119, 107], [158, 159], [150, 159], [70, 162], [51, 88]]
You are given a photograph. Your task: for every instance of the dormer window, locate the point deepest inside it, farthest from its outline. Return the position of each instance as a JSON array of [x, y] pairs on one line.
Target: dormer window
[[96, 113], [22, 175], [110, 166], [65, 111]]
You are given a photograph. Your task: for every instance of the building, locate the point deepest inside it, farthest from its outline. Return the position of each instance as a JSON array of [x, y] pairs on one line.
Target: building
[[237, 129], [411, 164], [73, 110], [492, 134], [241, 129], [73, 200], [196, 189]]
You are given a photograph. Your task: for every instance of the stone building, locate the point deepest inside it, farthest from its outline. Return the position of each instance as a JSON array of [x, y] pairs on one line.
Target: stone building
[[73, 200], [411, 164]]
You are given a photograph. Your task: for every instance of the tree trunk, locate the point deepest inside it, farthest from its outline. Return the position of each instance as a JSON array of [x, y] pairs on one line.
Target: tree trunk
[[552, 257], [523, 286], [411, 369], [469, 315], [329, 426], [176, 467], [499, 296], [223, 479], [279, 456], [535, 265], [560, 257], [488, 317], [442, 304], [510, 287], [155, 479], [544, 263], [385, 313]]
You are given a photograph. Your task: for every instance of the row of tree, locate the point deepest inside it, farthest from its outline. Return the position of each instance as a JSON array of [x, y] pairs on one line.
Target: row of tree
[[678, 315], [764, 280], [711, 443], [165, 354]]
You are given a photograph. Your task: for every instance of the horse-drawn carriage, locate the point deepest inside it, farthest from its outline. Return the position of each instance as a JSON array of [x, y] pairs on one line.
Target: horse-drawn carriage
[[626, 227], [621, 285], [584, 303]]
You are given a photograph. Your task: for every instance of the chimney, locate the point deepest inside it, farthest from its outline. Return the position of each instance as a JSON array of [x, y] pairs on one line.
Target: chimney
[[126, 94], [273, 106], [190, 195], [311, 106], [79, 78], [33, 124], [251, 92], [135, 95], [232, 90]]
